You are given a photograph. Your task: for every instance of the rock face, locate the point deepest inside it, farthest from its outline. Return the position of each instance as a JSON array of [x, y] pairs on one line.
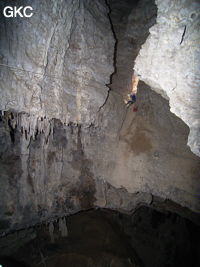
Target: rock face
[[75, 168], [66, 143], [55, 175], [169, 62], [49, 67]]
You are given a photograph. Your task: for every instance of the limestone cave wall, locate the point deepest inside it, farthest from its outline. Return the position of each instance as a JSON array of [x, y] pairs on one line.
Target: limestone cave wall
[[68, 143], [169, 61], [49, 62]]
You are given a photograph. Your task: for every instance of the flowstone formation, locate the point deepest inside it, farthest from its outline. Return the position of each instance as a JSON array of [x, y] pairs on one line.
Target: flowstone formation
[[169, 62]]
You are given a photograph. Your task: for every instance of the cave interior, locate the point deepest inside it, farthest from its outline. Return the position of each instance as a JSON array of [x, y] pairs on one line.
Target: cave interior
[[121, 191]]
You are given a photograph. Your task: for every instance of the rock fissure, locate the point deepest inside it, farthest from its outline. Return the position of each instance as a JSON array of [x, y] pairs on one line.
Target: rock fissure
[[183, 35]]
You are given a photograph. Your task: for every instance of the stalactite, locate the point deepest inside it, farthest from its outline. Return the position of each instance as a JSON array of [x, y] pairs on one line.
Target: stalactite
[[51, 232], [63, 227], [29, 125]]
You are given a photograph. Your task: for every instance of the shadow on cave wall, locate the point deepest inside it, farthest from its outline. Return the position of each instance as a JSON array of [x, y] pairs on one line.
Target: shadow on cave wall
[[131, 21]]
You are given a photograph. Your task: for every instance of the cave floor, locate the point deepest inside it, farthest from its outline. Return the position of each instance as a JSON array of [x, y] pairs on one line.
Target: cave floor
[[108, 238]]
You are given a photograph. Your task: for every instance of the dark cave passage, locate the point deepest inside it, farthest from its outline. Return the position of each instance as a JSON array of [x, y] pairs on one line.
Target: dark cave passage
[[131, 22], [146, 238]]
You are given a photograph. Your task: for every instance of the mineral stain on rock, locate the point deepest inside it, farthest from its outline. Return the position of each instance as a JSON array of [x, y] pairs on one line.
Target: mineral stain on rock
[[139, 143], [85, 187]]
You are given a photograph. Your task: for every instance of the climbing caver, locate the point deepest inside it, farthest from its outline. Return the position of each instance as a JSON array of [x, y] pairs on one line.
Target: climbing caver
[[132, 96], [132, 99]]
